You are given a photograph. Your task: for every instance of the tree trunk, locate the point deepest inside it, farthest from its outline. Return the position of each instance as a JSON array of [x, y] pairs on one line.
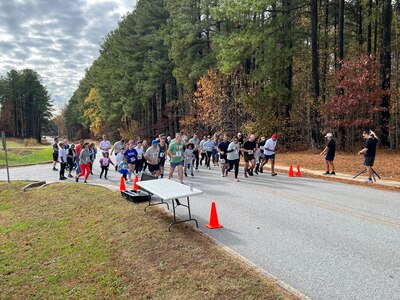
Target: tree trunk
[[386, 69], [369, 30], [341, 32]]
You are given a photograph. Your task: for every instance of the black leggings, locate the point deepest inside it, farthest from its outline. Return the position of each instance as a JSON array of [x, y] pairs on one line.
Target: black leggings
[[235, 163], [196, 157], [105, 171], [208, 157], [62, 169], [203, 156]]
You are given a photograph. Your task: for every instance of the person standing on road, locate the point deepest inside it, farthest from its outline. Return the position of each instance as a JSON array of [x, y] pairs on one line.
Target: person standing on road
[[131, 156], [269, 153], [369, 152], [223, 150], [196, 142], [105, 144], [105, 162], [248, 150], [152, 157], [55, 154], [78, 150], [208, 147], [203, 150], [62, 155], [233, 156], [163, 148], [71, 158], [85, 161], [175, 151], [329, 151]]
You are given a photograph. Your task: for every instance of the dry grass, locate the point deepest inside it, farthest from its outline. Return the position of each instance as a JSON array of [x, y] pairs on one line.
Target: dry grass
[[387, 164], [75, 241]]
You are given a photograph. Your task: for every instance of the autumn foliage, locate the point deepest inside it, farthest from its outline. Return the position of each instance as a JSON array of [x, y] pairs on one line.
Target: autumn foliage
[[359, 94]]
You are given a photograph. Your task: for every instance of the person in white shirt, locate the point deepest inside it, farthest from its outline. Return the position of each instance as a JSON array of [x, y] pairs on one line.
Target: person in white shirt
[[140, 152], [269, 153], [117, 147], [105, 144], [233, 156], [62, 156], [120, 158]]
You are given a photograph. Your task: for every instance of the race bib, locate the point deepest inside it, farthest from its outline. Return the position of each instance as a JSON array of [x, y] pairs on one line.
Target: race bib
[[222, 161], [155, 155], [162, 154], [178, 153]]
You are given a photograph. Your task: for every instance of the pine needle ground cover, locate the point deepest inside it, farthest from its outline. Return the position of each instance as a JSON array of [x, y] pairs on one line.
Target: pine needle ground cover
[[73, 241]]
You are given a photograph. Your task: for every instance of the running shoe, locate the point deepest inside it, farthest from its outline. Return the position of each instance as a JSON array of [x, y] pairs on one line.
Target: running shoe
[[222, 175], [261, 171], [245, 175], [55, 169], [236, 180], [85, 181], [274, 174], [255, 171], [192, 174], [185, 174], [76, 179], [209, 168], [333, 173], [70, 176], [326, 173], [251, 174]]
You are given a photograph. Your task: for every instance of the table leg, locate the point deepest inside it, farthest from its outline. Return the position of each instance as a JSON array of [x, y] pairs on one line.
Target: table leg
[[182, 221]]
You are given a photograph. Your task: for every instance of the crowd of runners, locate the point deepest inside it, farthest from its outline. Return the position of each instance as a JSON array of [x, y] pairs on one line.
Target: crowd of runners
[[185, 154]]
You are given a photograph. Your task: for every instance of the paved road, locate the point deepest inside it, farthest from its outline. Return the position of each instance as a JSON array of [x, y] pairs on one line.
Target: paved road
[[327, 240]]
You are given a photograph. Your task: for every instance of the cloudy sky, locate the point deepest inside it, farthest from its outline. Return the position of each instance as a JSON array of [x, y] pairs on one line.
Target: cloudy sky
[[59, 39]]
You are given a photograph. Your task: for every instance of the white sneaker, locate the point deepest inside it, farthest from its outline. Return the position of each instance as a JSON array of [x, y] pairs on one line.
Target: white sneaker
[[222, 175], [369, 180]]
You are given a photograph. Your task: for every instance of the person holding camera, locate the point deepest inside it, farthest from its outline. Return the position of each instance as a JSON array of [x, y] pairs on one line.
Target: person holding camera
[[369, 152]]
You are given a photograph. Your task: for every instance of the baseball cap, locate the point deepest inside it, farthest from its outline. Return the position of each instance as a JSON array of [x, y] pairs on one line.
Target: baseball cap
[[329, 135], [154, 142], [274, 136]]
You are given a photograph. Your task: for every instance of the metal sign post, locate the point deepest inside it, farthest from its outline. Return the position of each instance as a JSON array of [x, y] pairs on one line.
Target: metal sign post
[[3, 140]]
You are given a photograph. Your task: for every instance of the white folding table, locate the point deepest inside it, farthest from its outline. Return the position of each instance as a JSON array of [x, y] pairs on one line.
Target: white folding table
[[166, 190]]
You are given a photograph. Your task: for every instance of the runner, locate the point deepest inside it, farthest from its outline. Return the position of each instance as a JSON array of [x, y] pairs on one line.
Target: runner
[[71, 159], [139, 162], [120, 158], [329, 151], [84, 160], [163, 147], [233, 156], [189, 158], [131, 156], [369, 152], [208, 147], [203, 150], [269, 153], [78, 150], [105, 145], [241, 142], [175, 150], [105, 162], [257, 156], [62, 155], [152, 156], [116, 149], [124, 168], [196, 142], [55, 154], [223, 150], [215, 155], [261, 145], [248, 150], [93, 153]]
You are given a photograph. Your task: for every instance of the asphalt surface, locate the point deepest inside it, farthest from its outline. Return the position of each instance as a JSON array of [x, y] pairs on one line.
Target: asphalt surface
[[328, 240]]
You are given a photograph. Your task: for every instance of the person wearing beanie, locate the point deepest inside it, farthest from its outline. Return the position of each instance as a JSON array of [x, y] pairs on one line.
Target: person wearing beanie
[[329, 151], [269, 153]]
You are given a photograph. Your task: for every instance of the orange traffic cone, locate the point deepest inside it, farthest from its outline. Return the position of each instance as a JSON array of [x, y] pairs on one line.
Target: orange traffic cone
[[290, 174], [122, 184], [214, 218], [135, 186], [298, 173]]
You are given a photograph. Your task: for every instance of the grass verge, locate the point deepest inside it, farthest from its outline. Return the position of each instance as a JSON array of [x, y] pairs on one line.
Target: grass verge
[[23, 156], [75, 241]]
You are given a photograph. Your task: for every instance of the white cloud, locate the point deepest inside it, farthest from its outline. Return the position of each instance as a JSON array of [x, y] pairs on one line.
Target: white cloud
[[59, 39]]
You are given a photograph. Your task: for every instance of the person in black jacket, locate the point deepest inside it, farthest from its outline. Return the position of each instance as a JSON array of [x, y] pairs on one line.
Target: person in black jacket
[[71, 157], [369, 152], [329, 151]]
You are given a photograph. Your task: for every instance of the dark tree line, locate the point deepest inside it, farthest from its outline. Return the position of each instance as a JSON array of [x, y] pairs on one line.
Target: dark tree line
[[25, 105], [259, 66]]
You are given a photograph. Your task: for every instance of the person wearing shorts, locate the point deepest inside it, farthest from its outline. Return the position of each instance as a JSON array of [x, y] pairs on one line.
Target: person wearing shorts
[[175, 151], [369, 152], [152, 157], [249, 147], [163, 148], [329, 151], [131, 156], [269, 153], [223, 150]]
